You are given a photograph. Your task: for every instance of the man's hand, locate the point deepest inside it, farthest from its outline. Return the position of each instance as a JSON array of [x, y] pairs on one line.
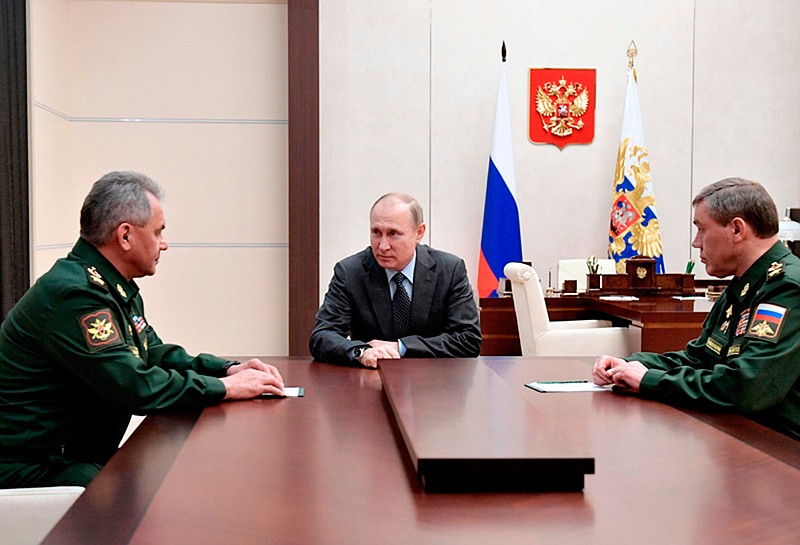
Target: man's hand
[[379, 350], [252, 378], [626, 375]]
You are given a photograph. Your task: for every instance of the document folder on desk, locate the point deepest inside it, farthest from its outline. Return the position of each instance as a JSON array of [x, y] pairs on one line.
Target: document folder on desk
[[465, 430]]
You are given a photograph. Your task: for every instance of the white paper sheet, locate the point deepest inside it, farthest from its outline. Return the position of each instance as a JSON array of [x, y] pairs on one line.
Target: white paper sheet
[[568, 386]]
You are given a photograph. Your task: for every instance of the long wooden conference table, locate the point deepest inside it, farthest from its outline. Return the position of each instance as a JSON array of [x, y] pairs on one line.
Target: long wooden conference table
[[340, 465]]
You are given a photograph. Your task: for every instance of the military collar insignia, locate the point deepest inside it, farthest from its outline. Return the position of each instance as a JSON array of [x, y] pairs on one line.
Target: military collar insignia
[[775, 270], [121, 291], [729, 312], [95, 277], [745, 289]]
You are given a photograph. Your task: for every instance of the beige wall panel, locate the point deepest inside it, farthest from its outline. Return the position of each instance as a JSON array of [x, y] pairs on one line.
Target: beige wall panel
[[374, 90], [564, 195], [55, 200], [179, 60], [223, 183], [747, 122], [48, 21], [226, 301], [716, 81], [176, 67]]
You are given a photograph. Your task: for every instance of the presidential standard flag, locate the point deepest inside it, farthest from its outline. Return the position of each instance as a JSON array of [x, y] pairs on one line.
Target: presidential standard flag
[[634, 227], [500, 239]]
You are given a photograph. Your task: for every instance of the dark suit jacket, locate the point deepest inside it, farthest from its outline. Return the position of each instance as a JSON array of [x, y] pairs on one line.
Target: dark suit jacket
[[358, 305]]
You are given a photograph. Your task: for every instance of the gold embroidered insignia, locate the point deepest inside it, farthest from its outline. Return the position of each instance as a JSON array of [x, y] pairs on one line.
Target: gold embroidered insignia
[[95, 277], [121, 291], [714, 346], [775, 270], [134, 350], [99, 330], [745, 290], [724, 327], [734, 350], [762, 329], [729, 312]]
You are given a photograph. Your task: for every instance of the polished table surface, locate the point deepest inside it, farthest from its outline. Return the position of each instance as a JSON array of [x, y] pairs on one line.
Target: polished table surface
[[331, 467]]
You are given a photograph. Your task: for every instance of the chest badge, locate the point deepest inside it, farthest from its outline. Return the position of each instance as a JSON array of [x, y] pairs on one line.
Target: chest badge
[[140, 323], [741, 327]]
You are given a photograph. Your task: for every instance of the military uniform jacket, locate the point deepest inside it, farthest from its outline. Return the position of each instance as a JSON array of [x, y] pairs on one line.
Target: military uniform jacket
[[747, 358], [78, 345]]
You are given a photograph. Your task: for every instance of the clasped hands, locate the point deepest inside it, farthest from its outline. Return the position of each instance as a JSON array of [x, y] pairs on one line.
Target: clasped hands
[[624, 375], [379, 350], [252, 378]]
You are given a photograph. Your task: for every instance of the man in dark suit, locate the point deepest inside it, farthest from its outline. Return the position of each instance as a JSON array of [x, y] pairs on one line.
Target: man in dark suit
[[397, 298]]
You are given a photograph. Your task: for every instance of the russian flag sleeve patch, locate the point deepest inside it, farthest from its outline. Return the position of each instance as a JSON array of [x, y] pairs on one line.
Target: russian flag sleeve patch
[[766, 322]]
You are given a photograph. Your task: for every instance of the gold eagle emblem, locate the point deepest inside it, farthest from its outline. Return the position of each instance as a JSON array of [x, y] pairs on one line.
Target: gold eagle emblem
[[561, 105]]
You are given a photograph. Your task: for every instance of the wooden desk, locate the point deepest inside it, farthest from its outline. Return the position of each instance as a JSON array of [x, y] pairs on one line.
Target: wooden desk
[[330, 468], [666, 323]]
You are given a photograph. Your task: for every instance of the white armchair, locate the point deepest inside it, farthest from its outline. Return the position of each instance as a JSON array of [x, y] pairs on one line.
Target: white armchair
[[539, 336], [28, 514]]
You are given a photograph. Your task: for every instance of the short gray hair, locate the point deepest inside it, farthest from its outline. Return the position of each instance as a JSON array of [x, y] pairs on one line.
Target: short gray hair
[[736, 197], [116, 198], [413, 206]]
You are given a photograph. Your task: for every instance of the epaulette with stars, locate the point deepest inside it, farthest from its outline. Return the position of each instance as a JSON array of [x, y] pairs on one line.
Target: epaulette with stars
[[775, 270], [95, 278]]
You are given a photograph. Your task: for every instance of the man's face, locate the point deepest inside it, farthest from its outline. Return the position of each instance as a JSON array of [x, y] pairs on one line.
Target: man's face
[[715, 242], [147, 242], [393, 236]]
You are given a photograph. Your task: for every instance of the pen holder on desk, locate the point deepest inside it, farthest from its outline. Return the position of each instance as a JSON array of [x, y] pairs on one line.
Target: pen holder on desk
[[570, 286], [593, 281]]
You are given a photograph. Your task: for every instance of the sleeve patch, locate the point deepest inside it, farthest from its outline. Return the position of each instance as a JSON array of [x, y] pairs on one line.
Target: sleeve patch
[[99, 330], [766, 322]]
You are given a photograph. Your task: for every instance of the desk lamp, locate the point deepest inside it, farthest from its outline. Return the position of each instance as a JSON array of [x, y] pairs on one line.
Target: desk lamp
[[788, 230]]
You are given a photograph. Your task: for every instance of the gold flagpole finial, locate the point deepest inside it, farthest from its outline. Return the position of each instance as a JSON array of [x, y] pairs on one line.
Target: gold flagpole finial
[[632, 52]]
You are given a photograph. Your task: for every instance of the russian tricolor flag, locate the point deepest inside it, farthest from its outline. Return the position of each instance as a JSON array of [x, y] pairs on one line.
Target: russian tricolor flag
[[501, 241]]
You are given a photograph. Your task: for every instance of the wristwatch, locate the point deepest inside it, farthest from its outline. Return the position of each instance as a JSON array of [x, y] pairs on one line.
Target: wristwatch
[[358, 351]]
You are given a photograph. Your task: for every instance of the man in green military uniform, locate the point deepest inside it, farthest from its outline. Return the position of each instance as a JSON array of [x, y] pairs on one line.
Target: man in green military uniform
[[78, 357], [747, 358]]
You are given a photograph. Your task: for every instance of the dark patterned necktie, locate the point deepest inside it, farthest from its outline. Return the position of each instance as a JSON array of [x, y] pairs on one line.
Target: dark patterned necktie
[[401, 307]]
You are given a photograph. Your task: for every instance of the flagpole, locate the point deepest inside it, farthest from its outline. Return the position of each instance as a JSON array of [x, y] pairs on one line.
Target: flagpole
[[632, 51], [500, 235]]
